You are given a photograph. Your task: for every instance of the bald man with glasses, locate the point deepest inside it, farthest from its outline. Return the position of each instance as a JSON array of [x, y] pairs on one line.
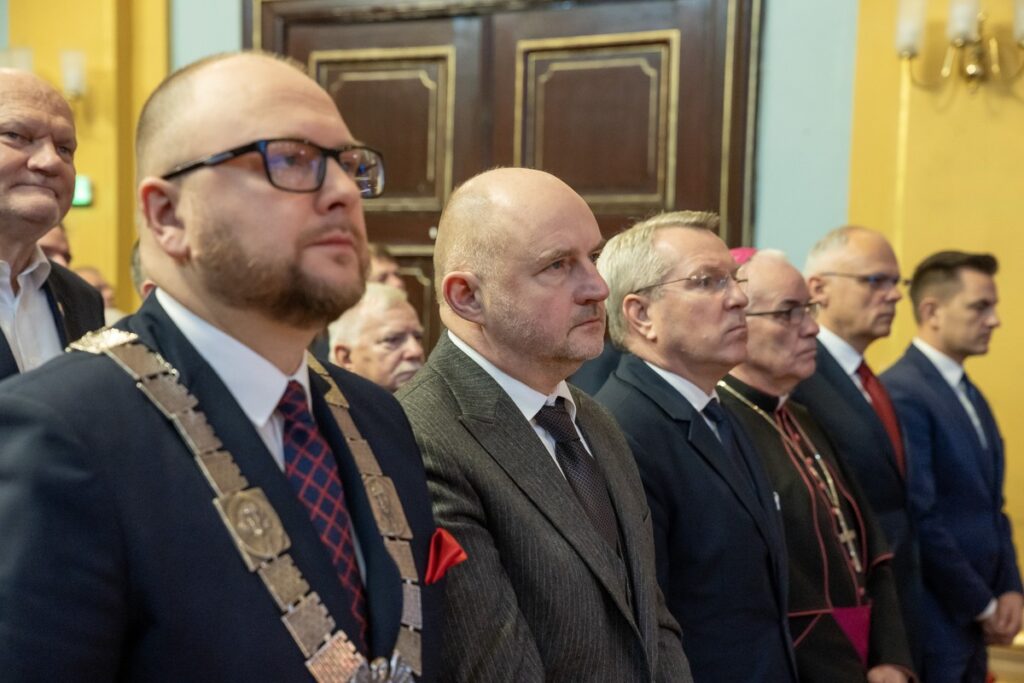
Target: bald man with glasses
[[189, 496], [853, 274], [677, 306]]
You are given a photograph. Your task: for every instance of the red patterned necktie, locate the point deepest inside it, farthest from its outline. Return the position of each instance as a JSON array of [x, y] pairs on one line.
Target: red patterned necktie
[[310, 467], [882, 404]]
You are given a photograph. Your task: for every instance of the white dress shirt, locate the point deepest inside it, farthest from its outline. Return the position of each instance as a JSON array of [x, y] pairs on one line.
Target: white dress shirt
[[693, 394], [847, 356], [953, 373], [26, 319], [529, 401], [252, 380]]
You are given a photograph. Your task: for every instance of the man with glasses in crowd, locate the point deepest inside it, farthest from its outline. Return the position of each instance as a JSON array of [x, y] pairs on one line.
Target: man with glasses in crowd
[[972, 592], [853, 274], [188, 497], [843, 611], [678, 308]]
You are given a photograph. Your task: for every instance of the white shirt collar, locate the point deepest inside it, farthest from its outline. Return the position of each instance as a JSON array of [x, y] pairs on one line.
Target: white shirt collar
[[32, 277], [847, 357], [693, 394], [254, 382], [527, 399], [950, 370]]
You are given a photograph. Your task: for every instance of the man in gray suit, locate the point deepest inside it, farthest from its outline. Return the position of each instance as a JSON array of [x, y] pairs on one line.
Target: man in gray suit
[[532, 477]]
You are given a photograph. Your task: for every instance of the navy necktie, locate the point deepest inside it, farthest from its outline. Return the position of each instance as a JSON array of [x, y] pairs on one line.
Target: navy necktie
[[714, 412], [580, 470]]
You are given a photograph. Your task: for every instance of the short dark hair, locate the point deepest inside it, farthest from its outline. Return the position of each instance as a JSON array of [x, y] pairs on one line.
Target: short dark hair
[[943, 269]]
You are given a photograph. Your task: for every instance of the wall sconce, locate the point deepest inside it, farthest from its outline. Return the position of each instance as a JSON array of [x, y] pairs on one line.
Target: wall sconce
[[971, 54], [17, 58], [72, 74]]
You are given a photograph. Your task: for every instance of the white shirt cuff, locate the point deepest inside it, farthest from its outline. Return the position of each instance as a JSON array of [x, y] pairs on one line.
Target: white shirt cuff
[[988, 612]]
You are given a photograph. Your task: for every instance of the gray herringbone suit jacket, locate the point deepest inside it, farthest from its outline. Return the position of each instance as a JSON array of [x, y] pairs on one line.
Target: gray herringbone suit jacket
[[542, 596]]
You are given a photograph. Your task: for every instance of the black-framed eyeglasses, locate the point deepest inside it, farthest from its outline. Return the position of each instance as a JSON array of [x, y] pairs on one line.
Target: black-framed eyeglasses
[[300, 165], [791, 315], [702, 282], [879, 282]]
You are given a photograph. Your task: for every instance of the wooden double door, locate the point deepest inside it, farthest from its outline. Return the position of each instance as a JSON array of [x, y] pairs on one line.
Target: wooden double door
[[639, 106]]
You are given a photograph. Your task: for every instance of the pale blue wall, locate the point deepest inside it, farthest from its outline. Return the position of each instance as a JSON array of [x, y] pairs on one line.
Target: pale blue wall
[[804, 121], [203, 27], [3, 25]]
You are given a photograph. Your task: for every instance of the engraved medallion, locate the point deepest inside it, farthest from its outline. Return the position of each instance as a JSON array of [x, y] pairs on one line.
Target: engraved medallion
[[333, 397], [197, 431], [100, 340], [284, 581], [169, 395], [253, 524], [335, 662], [410, 646], [222, 472], [309, 623], [139, 361], [387, 508], [401, 553], [364, 457], [412, 608]]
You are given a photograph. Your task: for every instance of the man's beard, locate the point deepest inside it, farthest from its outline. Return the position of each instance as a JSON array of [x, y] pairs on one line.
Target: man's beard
[[277, 288]]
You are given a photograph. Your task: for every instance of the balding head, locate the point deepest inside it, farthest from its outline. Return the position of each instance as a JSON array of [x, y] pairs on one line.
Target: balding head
[[222, 237], [37, 171], [515, 272]]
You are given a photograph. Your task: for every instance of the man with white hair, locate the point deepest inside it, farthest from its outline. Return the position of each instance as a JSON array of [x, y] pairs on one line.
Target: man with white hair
[[853, 274], [843, 611], [380, 338], [43, 306]]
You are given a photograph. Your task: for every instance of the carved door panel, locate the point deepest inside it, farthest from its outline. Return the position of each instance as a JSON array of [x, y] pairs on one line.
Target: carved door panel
[[640, 106]]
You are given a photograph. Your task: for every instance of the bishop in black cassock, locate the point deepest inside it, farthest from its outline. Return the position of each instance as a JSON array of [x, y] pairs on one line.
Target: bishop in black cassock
[[844, 615]]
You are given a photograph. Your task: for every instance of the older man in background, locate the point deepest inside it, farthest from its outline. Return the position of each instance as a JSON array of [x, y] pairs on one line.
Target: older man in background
[[380, 338], [530, 475], [43, 306], [853, 274], [843, 611], [677, 306]]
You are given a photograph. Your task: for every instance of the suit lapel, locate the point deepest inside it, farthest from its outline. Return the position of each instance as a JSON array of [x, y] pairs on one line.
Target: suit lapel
[[954, 413], [240, 438], [850, 394], [701, 438], [501, 430], [8, 366], [57, 309]]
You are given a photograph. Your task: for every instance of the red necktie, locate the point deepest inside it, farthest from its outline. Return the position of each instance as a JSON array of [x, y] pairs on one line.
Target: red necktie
[[882, 404], [313, 473]]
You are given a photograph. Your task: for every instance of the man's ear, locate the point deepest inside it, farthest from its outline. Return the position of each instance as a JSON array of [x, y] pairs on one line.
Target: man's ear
[[461, 291], [636, 311], [158, 201], [928, 311], [341, 355], [818, 288]]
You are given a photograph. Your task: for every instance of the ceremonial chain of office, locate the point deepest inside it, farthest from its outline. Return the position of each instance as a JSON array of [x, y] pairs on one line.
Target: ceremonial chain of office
[[256, 528]]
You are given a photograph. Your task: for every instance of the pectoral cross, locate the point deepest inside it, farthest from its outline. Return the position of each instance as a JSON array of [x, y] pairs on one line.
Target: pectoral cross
[[848, 537]]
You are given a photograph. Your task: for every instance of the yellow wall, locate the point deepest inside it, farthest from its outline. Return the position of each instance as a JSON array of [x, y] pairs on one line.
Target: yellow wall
[[944, 169], [125, 44]]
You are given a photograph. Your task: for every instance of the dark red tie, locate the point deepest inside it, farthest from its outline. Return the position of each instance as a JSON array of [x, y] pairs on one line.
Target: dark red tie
[[310, 467], [882, 404]]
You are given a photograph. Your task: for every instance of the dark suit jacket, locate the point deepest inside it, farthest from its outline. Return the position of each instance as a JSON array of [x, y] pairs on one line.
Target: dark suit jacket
[[114, 563], [76, 306], [720, 549], [542, 595], [860, 439], [956, 490]]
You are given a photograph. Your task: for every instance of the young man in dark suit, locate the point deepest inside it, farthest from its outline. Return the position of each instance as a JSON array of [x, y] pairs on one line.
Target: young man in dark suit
[[853, 275], [677, 308], [972, 586], [43, 306], [189, 497], [530, 475]]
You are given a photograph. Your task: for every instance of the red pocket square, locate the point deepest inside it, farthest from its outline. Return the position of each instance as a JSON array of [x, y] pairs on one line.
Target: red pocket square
[[445, 553]]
